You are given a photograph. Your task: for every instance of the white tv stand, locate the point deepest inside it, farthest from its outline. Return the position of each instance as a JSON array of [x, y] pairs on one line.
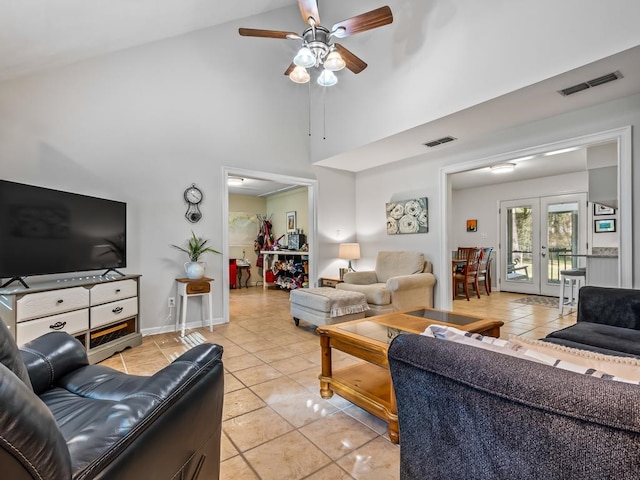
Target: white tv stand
[[100, 311]]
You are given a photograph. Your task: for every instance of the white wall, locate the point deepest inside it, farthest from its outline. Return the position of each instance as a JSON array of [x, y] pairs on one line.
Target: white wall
[[482, 203], [142, 125], [290, 201], [442, 56], [419, 177], [253, 206]]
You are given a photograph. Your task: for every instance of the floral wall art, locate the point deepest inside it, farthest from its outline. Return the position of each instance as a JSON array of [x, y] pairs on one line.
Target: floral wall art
[[408, 216]]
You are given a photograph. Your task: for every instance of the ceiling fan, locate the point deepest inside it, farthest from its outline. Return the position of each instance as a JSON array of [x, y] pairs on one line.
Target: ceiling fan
[[318, 49]]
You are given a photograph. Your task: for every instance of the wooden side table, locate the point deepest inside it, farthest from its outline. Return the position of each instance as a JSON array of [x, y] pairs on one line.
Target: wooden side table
[[243, 268], [329, 281], [188, 288]]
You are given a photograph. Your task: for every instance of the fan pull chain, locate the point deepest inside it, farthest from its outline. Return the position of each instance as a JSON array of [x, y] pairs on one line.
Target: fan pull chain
[[309, 86], [324, 114], [324, 120]]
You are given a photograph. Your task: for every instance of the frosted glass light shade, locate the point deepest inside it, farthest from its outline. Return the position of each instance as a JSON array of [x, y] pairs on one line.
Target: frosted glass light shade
[[299, 75], [327, 78], [304, 58], [334, 62]]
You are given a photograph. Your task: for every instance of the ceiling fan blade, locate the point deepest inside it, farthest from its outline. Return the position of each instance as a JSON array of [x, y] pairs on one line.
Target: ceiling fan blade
[[363, 22], [309, 9], [354, 63], [254, 32], [290, 69]]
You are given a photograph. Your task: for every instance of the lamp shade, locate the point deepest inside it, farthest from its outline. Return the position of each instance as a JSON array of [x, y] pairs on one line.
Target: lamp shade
[[299, 75], [349, 251], [334, 62], [327, 78], [305, 58]]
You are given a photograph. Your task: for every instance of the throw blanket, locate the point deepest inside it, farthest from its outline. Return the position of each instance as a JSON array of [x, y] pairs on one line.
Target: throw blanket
[[344, 302]]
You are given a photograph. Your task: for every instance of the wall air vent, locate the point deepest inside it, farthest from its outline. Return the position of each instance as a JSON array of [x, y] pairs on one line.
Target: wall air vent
[[609, 77], [439, 141]]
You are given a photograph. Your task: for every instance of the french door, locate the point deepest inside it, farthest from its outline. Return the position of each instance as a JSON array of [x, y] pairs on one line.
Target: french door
[[538, 237]]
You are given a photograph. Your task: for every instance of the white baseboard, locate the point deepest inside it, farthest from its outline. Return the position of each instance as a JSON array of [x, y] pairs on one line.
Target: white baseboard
[[172, 327]]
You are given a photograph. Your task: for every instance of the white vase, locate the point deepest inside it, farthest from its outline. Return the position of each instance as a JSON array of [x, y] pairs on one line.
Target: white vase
[[195, 270]]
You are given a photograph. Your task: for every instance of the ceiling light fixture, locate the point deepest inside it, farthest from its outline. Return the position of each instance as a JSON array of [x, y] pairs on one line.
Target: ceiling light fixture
[[317, 52], [318, 49], [564, 150], [327, 78], [522, 159], [334, 62], [503, 168], [304, 58], [299, 75], [235, 181]]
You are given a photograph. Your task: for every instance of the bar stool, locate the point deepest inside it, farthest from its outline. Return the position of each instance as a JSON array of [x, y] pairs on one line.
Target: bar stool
[[575, 277]]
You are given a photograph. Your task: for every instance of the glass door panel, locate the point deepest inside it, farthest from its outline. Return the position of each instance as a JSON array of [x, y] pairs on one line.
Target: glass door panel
[[563, 238], [519, 224], [539, 238]]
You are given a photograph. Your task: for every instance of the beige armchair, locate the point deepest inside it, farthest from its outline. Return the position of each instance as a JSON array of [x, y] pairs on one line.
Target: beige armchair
[[401, 280]]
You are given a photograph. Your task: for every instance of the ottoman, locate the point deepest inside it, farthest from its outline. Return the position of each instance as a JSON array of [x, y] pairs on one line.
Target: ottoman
[[325, 305]]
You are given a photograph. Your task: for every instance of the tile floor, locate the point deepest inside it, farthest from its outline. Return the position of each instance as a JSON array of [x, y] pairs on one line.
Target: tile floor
[[275, 424]]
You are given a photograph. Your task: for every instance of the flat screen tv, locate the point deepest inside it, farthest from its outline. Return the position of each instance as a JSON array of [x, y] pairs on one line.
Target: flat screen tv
[[44, 231]]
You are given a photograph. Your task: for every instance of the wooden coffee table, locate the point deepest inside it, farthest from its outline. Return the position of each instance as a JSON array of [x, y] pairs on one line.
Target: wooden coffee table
[[368, 383]]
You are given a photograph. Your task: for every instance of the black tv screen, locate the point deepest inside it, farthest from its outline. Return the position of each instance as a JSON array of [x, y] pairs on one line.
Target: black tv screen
[[44, 231]]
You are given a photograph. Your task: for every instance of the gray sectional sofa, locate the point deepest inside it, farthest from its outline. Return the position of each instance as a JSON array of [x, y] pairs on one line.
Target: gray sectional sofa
[[470, 413]]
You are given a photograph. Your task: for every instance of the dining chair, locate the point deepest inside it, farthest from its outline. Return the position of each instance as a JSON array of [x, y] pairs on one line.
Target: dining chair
[[463, 253], [484, 268], [469, 274]]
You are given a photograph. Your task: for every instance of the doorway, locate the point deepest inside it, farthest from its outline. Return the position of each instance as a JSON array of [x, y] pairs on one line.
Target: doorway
[[622, 137], [311, 233], [539, 237]]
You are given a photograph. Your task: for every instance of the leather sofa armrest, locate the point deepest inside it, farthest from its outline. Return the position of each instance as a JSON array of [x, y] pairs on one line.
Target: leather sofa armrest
[[50, 357], [407, 282], [361, 278]]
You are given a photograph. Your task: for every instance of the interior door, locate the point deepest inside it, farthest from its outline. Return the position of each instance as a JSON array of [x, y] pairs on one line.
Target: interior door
[[540, 237]]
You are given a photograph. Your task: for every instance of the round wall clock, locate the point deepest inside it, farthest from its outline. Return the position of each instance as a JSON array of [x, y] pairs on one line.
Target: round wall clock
[[193, 196]]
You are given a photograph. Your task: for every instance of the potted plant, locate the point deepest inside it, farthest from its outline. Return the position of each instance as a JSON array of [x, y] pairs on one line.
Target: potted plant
[[196, 247]]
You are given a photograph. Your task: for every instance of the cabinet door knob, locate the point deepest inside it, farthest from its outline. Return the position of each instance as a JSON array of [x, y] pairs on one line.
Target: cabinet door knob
[[58, 325], [117, 290], [117, 310], [60, 301]]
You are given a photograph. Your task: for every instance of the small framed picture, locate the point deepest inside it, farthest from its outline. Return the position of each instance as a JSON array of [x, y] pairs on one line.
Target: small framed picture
[[602, 226], [602, 210], [291, 222], [472, 225]]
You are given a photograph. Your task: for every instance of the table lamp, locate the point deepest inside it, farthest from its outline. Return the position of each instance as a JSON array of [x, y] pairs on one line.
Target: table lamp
[[349, 251]]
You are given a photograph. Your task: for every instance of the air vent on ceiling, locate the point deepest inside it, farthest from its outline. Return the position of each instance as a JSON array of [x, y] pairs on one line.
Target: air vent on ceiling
[[610, 77], [439, 141]]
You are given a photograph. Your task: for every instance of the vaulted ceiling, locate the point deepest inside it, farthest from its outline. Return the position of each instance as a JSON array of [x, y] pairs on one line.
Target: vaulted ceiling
[[35, 36]]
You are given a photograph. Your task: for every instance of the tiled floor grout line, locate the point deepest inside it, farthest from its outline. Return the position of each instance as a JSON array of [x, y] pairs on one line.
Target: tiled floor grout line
[[262, 331]]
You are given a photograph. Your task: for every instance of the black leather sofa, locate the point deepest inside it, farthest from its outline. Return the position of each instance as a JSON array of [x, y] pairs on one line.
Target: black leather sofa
[[608, 322], [61, 418]]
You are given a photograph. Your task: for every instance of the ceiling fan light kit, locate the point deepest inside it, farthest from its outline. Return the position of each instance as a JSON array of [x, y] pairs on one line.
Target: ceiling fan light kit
[[327, 78], [299, 75], [334, 62], [304, 58], [317, 49]]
